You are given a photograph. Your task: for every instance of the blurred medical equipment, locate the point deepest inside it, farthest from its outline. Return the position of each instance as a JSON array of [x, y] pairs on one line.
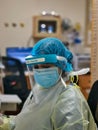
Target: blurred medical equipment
[[14, 80]]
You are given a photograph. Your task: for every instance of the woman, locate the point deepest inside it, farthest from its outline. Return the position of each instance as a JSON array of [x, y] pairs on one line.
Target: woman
[[52, 104]]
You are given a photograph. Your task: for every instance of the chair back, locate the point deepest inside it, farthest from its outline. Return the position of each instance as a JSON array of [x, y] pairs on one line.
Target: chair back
[[93, 100], [14, 80]]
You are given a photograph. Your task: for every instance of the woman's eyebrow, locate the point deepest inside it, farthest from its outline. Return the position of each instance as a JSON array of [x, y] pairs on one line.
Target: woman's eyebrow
[[45, 65]]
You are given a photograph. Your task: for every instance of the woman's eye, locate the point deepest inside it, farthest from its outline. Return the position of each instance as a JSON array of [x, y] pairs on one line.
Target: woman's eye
[[36, 66], [42, 66], [47, 66]]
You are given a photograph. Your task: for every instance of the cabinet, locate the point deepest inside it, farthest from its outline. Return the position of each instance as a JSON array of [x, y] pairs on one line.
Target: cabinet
[[46, 26], [85, 84]]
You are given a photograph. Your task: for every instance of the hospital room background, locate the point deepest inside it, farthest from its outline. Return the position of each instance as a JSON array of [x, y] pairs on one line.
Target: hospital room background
[[23, 22]]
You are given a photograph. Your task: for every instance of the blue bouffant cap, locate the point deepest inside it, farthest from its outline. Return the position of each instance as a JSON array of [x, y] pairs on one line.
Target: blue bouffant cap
[[54, 46]]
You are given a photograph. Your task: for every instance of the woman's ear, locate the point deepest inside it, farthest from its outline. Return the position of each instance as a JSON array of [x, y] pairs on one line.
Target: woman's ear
[[59, 70]]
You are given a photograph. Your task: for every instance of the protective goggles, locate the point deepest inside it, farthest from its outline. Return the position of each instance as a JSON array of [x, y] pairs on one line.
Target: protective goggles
[[44, 59]]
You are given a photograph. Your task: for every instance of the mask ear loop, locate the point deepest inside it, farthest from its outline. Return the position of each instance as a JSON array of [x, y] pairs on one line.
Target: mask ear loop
[[60, 77], [63, 82]]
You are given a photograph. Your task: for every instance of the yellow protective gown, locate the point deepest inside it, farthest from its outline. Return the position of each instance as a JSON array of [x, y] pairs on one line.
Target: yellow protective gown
[[58, 108]]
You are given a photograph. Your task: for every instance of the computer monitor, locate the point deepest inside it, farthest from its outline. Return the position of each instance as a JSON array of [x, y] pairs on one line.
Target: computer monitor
[[18, 53]]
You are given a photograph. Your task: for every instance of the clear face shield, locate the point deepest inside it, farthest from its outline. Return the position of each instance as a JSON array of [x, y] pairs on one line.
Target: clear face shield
[[31, 76], [47, 75]]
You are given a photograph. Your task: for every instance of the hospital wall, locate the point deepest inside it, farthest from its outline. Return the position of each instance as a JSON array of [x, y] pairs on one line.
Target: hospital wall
[[16, 18]]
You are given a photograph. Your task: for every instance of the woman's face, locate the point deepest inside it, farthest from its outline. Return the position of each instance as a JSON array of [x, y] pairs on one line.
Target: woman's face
[[42, 66]]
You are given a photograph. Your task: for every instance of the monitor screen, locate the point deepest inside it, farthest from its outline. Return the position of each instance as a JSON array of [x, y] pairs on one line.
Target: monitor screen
[[18, 52]]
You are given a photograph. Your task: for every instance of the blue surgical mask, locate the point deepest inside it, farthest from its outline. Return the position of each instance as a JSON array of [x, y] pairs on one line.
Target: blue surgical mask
[[46, 77]]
